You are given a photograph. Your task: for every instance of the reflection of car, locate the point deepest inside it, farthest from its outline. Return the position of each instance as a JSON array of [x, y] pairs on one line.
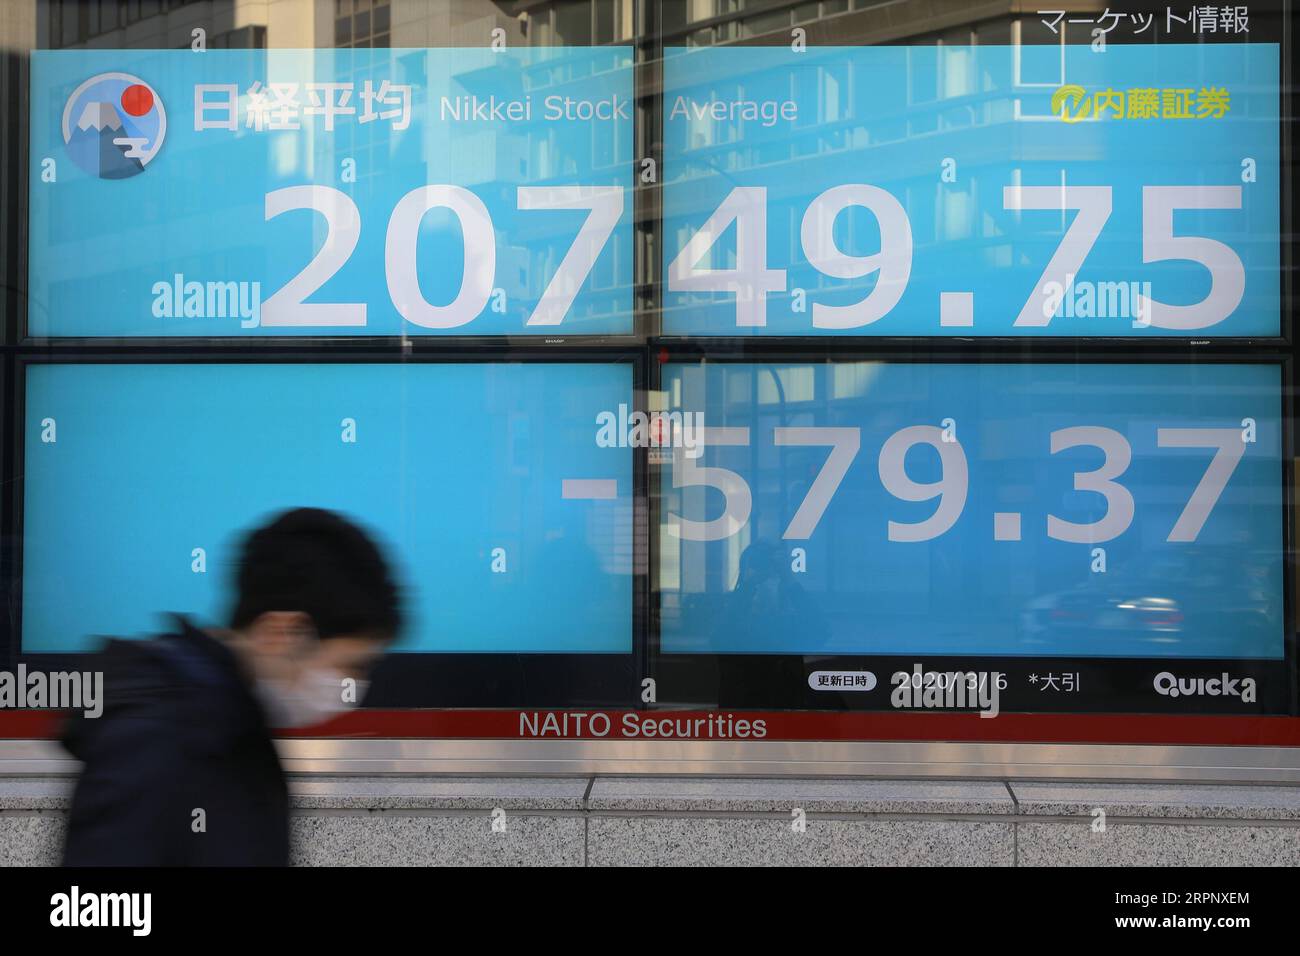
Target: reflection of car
[[1184, 599]]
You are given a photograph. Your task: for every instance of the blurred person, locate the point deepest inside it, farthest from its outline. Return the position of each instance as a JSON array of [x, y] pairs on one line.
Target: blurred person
[[180, 769]]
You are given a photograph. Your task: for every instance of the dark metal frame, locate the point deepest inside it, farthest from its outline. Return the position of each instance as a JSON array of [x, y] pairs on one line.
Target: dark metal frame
[[644, 347], [590, 679], [830, 353]]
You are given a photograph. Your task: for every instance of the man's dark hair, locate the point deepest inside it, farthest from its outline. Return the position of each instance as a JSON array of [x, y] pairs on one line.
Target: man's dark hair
[[323, 565]]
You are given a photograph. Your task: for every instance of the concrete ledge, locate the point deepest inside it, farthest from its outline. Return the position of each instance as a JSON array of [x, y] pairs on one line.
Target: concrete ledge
[[31, 839], [438, 821], [35, 793], [389, 839], [657, 821], [1254, 802], [768, 841], [439, 793], [1077, 844], [781, 795]]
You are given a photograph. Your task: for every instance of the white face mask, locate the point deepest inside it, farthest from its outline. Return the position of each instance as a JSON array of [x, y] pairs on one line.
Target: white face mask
[[313, 699]]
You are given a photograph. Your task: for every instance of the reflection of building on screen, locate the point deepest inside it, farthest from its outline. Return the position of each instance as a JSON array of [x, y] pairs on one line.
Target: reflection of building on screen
[[879, 88], [905, 554]]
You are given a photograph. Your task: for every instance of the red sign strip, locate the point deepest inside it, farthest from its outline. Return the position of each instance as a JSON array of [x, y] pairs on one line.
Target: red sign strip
[[768, 725]]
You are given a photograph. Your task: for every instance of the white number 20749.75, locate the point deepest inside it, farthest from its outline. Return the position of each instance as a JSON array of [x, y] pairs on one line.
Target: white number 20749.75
[[288, 306], [750, 279]]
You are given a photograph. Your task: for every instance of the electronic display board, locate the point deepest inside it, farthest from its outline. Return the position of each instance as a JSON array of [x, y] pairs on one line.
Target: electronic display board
[[958, 190], [331, 192], [509, 522], [1056, 513], [1101, 534]]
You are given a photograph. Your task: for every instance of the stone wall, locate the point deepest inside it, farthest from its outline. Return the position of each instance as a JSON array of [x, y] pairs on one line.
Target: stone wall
[[637, 821]]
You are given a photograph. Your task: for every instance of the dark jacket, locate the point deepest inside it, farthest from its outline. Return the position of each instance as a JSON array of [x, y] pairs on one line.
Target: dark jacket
[[181, 732]]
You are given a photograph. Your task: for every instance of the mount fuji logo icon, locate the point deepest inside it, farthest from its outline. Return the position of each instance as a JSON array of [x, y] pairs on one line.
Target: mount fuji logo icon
[[113, 125]]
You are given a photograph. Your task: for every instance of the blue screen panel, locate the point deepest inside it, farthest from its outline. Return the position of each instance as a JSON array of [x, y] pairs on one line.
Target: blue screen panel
[[510, 525], [1028, 509], [331, 192], [972, 191]]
